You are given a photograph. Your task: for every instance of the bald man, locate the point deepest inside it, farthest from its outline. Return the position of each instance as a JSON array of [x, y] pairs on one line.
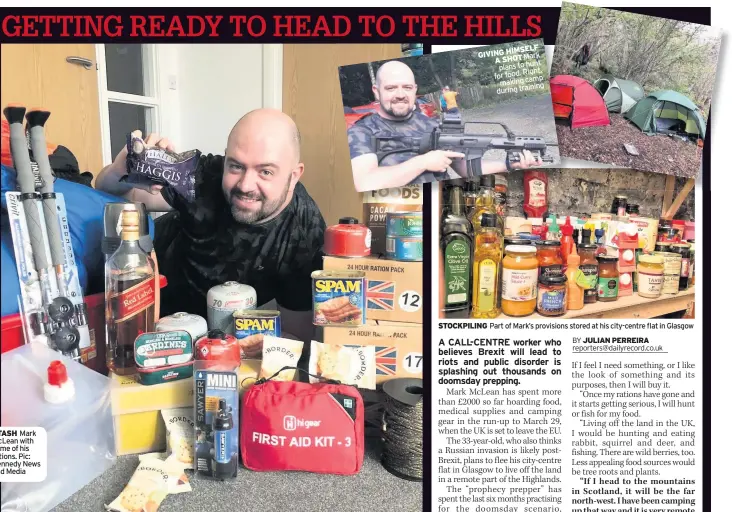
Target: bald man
[[252, 221], [396, 92]]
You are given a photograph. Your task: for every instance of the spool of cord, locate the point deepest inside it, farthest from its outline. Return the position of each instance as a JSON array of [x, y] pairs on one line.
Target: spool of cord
[[402, 428]]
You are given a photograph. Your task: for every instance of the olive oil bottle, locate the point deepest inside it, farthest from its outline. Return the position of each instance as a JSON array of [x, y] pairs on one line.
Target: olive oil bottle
[[456, 245], [486, 268], [486, 200]]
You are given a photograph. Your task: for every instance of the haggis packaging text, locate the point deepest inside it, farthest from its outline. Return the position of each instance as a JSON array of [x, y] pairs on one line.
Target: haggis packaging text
[[216, 414], [148, 166]]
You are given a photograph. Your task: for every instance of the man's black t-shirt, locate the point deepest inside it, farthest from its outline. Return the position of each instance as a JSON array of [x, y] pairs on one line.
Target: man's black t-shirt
[[200, 245]]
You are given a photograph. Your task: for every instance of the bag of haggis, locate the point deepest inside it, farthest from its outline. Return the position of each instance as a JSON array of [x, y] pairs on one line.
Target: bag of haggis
[[152, 481], [349, 365], [278, 353], [179, 435], [151, 165]]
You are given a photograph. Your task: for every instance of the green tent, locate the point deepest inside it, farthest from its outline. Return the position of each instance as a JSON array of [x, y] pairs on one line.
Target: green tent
[[668, 112], [619, 95]]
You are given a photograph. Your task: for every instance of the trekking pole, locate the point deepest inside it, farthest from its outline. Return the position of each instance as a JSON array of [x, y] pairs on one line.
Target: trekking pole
[[65, 339]]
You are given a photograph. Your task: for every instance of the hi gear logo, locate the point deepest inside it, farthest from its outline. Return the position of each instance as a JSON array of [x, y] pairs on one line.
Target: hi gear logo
[[291, 423], [342, 286]]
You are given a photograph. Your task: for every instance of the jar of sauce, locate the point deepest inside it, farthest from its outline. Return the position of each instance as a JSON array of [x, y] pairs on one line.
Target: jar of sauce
[[589, 268], [550, 257], [685, 251], [607, 279], [519, 280], [552, 295], [650, 276]]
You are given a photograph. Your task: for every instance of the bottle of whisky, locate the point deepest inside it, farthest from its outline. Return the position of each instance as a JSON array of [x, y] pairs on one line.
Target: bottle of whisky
[[456, 246], [129, 296]]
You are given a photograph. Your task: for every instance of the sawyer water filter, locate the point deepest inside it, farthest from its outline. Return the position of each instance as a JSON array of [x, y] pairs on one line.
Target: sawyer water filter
[[225, 457]]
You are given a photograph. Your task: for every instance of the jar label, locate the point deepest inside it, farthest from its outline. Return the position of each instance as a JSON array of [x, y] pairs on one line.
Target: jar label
[[684, 267], [587, 277], [550, 270], [650, 284], [486, 281], [670, 284], [553, 301], [519, 285], [607, 287], [457, 272]]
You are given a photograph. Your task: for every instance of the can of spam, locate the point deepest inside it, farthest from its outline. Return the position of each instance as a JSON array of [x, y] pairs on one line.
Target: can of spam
[[250, 328], [404, 224], [403, 248], [339, 298]]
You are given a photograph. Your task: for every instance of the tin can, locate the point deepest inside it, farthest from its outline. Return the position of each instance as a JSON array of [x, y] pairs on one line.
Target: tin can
[[224, 299], [250, 328], [339, 298], [347, 239], [193, 324], [404, 249], [164, 356], [404, 224]]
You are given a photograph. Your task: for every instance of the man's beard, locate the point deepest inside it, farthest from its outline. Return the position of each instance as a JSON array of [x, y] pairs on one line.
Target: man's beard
[[267, 206], [389, 110]]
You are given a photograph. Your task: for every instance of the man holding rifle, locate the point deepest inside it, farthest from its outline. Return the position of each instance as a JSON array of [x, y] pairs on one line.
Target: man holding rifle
[[397, 117]]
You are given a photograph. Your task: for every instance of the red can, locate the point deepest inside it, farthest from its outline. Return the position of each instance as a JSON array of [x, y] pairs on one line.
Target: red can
[[348, 239], [218, 348]]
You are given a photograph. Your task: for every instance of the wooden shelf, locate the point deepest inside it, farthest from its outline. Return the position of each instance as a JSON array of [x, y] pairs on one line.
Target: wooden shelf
[[629, 307]]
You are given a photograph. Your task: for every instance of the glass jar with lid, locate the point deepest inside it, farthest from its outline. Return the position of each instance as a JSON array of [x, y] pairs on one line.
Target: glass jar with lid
[[607, 278], [589, 267], [552, 295], [519, 280], [650, 276], [549, 254]]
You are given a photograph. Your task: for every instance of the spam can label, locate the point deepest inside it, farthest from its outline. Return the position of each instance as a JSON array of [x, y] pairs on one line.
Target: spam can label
[[404, 224], [404, 249], [250, 328], [339, 298]]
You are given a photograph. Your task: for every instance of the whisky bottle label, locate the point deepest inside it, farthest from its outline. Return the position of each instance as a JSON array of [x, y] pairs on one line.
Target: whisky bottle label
[[133, 300]]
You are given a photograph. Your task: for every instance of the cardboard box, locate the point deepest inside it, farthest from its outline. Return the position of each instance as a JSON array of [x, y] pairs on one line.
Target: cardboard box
[[138, 424], [394, 290], [377, 203], [399, 346]]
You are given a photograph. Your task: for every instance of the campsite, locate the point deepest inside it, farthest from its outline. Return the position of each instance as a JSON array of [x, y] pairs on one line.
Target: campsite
[[632, 90]]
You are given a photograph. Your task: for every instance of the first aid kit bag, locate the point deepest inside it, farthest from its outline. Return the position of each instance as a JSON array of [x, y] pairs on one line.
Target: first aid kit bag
[[297, 426]]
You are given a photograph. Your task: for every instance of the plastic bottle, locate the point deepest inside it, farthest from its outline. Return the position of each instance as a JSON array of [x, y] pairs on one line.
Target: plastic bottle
[[575, 294], [553, 233], [567, 240]]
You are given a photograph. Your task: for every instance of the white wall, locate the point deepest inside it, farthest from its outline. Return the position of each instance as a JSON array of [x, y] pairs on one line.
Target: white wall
[[216, 85]]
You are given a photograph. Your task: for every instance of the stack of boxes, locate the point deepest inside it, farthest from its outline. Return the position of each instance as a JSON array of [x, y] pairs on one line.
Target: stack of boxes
[[393, 292]]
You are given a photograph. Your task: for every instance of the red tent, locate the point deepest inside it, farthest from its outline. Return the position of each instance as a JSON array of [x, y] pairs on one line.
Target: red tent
[[577, 100]]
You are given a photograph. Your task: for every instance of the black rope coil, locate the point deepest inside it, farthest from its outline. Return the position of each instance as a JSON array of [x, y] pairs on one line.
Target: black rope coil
[[401, 437]]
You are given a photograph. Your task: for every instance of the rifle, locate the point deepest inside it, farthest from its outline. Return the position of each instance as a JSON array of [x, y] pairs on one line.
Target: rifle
[[451, 135]]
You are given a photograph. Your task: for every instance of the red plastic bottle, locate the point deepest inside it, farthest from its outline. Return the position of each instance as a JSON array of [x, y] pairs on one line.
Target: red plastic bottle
[[567, 240], [536, 193]]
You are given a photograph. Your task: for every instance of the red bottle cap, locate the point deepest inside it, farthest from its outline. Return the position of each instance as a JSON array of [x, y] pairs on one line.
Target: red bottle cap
[[57, 373]]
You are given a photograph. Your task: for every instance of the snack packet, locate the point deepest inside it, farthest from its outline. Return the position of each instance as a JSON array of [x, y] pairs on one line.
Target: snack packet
[[148, 166], [278, 353], [179, 435], [183, 485], [152, 481], [354, 365]]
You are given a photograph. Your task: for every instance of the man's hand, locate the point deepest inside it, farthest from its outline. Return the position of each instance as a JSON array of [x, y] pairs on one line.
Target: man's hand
[[119, 166], [438, 160], [526, 160]]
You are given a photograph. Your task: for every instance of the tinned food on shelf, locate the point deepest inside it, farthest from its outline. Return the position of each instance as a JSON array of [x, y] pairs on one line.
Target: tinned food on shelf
[[339, 298], [671, 272], [404, 224], [404, 248]]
